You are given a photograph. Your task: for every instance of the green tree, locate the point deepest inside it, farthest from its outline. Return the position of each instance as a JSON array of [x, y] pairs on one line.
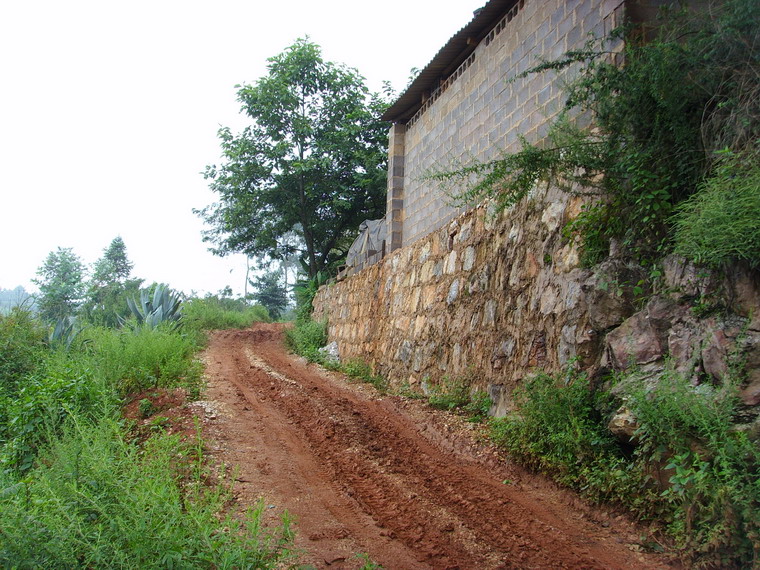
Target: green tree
[[271, 292], [110, 286], [312, 162], [61, 284]]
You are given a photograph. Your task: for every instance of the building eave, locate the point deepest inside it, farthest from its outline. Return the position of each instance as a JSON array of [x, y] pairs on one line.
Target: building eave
[[447, 60]]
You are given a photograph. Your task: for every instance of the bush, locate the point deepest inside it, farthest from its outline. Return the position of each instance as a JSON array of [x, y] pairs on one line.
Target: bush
[[22, 343], [557, 430], [63, 385], [357, 368], [306, 337], [721, 222], [456, 394], [713, 494], [711, 503]]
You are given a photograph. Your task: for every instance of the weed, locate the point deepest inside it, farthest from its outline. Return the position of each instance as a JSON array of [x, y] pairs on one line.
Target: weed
[[357, 368], [97, 501], [213, 313], [367, 562], [306, 337], [710, 502], [455, 393], [145, 408]]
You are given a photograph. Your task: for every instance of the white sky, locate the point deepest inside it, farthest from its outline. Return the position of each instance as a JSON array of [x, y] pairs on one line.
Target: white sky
[[109, 111]]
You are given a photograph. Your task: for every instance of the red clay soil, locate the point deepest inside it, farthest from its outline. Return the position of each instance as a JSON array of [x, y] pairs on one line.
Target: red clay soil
[[385, 476]]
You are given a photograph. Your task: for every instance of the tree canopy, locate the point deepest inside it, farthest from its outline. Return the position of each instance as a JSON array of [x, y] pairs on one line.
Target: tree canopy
[[61, 284], [110, 286], [312, 162], [271, 292]]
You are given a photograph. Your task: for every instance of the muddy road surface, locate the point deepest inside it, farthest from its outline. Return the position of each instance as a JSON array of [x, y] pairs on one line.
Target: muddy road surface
[[387, 477]]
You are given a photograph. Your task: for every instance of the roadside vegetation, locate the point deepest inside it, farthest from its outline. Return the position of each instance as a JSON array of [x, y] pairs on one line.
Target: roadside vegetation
[[688, 470], [81, 486]]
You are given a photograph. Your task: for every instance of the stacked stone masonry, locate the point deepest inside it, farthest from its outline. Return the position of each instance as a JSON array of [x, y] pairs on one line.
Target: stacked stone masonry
[[496, 295], [499, 298]]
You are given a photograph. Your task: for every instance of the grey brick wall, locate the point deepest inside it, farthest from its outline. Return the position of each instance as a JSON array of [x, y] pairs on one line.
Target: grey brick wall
[[481, 113]]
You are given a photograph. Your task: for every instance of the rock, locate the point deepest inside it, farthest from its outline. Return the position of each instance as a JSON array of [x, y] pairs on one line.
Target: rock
[[744, 294], [684, 346], [469, 258], [609, 294], [751, 394], [715, 353], [685, 279], [623, 424], [453, 291], [331, 353], [637, 341]]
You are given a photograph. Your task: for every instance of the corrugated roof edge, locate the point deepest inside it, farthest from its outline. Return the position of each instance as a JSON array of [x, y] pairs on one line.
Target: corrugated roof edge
[[446, 61]]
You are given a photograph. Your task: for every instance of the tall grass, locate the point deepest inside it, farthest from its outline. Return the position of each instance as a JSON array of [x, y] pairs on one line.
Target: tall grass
[[306, 337], [212, 313], [97, 501], [144, 358], [76, 492]]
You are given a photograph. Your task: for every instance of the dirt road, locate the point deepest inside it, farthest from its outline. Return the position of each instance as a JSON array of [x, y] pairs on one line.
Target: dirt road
[[385, 476]]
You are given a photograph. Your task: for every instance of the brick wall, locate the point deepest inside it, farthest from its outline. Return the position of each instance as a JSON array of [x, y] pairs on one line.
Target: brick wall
[[481, 113]]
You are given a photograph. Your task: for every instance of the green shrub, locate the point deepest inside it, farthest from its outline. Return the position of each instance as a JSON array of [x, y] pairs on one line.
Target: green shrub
[[557, 430], [714, 491], [146, 358], [63, 385], [96, 501], [721, 222], [212, 313], [22, 343], [455, 393], [306, 337], [711, 502], [357, 368]]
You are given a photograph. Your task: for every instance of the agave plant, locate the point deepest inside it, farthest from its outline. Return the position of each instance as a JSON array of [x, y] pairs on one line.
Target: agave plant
[[163, 307], [64, 332]]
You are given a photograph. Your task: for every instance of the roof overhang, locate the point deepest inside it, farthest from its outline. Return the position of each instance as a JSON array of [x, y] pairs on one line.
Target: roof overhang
[[447, 60]]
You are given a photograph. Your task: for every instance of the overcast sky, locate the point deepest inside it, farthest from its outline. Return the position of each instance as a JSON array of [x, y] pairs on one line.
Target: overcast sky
[[109, 112]]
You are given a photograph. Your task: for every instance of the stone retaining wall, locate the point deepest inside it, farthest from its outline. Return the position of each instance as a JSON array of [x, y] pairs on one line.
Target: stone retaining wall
[[503, 297], [498, 296]]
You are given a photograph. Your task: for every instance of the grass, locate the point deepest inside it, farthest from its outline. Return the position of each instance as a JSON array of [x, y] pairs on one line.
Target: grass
[[306, 337], [144, 359], [360, 370], [212, 313], [721, 222], [455, 393], [77, 492], [96, 500]]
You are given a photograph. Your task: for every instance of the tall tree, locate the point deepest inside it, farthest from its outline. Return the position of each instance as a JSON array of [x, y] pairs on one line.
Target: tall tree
[[271, 292], [61, 284], [114, 266], [312, 162], [110, 286]]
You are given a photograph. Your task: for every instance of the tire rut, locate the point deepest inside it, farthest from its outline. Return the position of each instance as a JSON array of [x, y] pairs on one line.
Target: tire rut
[[392, 490]]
